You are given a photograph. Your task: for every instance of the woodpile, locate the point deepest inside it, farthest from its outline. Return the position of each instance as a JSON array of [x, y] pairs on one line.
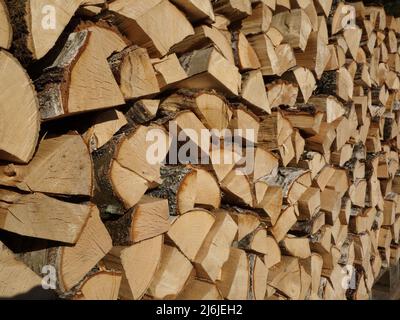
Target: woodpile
[[198, 149]]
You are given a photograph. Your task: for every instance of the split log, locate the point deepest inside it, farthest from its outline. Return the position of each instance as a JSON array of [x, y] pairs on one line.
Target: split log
[[234, 283], [147, 24], [19, 132], [6, 32], [148, 219], [188, 231], [169, 71], [16, 277], [61, 166], [216, 247], [72, 263], [104, 126], [71, 84], [138, 264], [119, 166], [232, 9], [103, 285], [245, 56], [171, 276], [185, 188], [209, 69], [196, 10], [37, 26], [40, 216], [200, 290], [134, 73], [203, 37]]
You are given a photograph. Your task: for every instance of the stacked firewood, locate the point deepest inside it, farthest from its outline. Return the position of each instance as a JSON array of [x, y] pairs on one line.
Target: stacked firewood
[[198, 149]]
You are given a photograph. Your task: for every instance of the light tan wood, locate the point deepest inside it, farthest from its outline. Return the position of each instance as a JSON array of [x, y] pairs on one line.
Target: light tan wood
[[138, 263], [189, 231], [61, 166], [245, 56], [216, 247], [40, 216], [40, 30], [235, 275], [16, 277], [103, 285], [171, 276], [6, 31], [209, 69], [19, 130], [153, 25], [259, 21], [200, 290], [134, 73], [253, 91], [83, 58], [290, 24], [104, 126], [196, 10]]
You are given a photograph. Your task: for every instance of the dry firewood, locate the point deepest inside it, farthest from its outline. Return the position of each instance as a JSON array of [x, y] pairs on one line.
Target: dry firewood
[[205, 36], [188, 231], [40, 216], [246, 221], [216, 247], [110, 37], [238, 189], [290, 24], [266, 54], [187, 188], [274, 130], [134, 73], [199, 290], [138, 263], [254, 93], [102, 285], [233, 9], [125, 163], [305, 81], [317, 47], [211, 108], [19, 131], [169, 71], [246, 124], [209, 69], [71, 263], [307, 121], [329, 105], [61, 166], [196, 10], [298, 247], [148, 219], [285, 222], [171, 276], [255, 242], [35, 29], [286, 277], [104, 126], [147, 24], [6, 32], [258, 278], [282, 93], [71, 84], [245, 57], [234, 283], [259, 21], [16, 277]]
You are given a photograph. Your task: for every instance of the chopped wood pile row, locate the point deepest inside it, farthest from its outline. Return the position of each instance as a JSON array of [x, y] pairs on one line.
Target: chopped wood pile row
[[118, 177]]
